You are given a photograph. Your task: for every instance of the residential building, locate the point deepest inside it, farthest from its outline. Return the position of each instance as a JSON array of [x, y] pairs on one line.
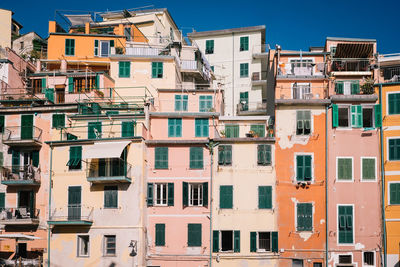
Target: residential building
[[300, 154], [30, 45], [9, 28]]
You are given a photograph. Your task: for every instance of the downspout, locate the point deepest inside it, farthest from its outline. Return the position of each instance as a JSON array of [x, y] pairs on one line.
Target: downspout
[[48, 230], [211, 147], [233, 74], [326, 185], [383, 186]]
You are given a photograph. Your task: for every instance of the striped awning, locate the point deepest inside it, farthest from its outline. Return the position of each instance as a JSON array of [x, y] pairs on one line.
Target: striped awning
[[354, 50]]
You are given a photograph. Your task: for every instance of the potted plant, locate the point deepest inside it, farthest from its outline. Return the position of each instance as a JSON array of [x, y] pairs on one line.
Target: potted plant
[[222, 133], [368, 87], [250, 134]]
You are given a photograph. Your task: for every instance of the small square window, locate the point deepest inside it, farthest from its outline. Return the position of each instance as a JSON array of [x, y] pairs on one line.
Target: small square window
[[83, 246], [369, 258], [109, 245]]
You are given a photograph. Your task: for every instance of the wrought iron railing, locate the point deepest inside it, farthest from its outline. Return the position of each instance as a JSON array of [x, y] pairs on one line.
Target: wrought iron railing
[[72, 212], [23, 132], [20, 174], [112, 167], [17, 214]]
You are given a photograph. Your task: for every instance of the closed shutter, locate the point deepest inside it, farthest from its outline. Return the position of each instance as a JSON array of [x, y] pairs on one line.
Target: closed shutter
[[26, 127], [253, 241], [307, 168], [368, 169], [154, 70], [35, 158], [96, 47], [355, 87], [2, 123], [226, 197], [161, 158], [111, 197], [2, 201], [150, 194], [221, 155], [394, 193], [236, 241], [378, 115], [205, 194], [304, 216], [274, 241], [194, 235], [345, 171], [339, 88], [335, 116], [160, 234], [128, 129], [15, 162], [215, 241], [264, 197], [185, 194], [178, 102], [94, 130], [170, 194], [70, 84], [196, 158], [300, 168], [345, 224], [44, 86]]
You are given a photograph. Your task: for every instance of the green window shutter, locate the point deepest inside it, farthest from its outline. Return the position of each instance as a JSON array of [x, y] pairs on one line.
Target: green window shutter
[[150, 194], [71, 137], [161, 158], [69, 47], [304, 217], [194, 235], [259, 129], [170, 194], [196, 158], [215, 241], [124, 69], [128, 129], [335, 116], [339, 88], [394, 189], [75, 157], [184, 103], [353, 111], [160, 69], [368, 169], [15, 161], [205, 194], [253, 241], [264, 155], [236, 241], [160, 234], [345, 171], [244, 43], [111, 43], [2, 123], [221, 155], [265, 197], [96, 47], [2, 201], [97, 85], [209, 46], [201, 127], [175, 127], [153, 70], [44, 86], [355, 87], [300, 168], [307, 168], [58, 120], [274, 241], [111, 197], [35, 158], [70, 84], [359, 117], [185, 194], [26, 127], [345, 224], [94, 130], [394, 149], [178, 103], [226, 197], [157, 69], [378, 115]]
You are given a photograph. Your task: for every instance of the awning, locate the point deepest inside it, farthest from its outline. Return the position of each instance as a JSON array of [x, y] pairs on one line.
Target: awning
[[19, 237], [104, 150], [79, 19], [354, 50]]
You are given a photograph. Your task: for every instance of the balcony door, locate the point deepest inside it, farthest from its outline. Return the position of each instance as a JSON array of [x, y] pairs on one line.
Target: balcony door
[[26, 203], [74, 203], [104, 48], [26, 127]]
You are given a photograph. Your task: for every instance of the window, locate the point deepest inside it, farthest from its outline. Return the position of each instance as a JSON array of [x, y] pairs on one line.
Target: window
[[244, 101], [124, 69], [226, 197], [263, 241], [94, 130], [96, 47], [368, 169], [69, 47], [156, 69], [263, 155], [83, 246], [195, 194], [303, 122], [58, 120], [160, 194], [317, 264], [333, 50], [161, 158], [343, 116], [2, 123], [174, 127], [230, 241], [347, 87], [244, 70], [82, 84], [360, 116], [160, 234], [367, 117], [394, 193], [369, 258], [345, 221], [105, 48], [231, 131], [226, 240], [205, 103], [303, 167], [301, 91], [38, 85], [258, 129], [181, 102], [394, 149], [109, 245], [196, 158], [209, 46], [344, 169], [75, 158], [201, 127], [244, 43], [265, 197], [394, 103], [194, 235], [212, 68], [304, 217], [128, 129], [345, 259], [297, 263], [356, 116], [111, 197], [225, 155]]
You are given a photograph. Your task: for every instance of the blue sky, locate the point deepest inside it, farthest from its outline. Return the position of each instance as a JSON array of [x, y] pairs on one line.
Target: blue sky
[[294, 24]]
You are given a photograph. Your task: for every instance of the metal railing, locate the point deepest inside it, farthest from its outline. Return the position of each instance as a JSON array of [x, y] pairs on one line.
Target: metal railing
[[18, 133], [191, 65], [146, 51], [20, 213], [301, 69], [259, 75], [20, 174], [252, 106], [389, 73], [112, 167], [72, 212], [344, 64]]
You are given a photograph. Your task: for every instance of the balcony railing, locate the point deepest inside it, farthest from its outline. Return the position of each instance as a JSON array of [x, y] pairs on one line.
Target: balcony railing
[[391, 73], [146, 51], [301, 69], [72, 214], [20, 215], [350, 65], [22, 134], [108, 170], [251, 108], [20, 175], [191, 65]]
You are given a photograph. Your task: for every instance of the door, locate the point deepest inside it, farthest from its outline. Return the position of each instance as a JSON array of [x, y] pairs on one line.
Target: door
[[60, 94], [26, 127], [74, 202], [21, 250], [26, 203], [104, 48]]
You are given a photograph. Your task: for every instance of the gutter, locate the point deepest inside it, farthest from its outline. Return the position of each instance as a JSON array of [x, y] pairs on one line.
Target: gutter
[[50, 184], [383, 186], [326, 186]]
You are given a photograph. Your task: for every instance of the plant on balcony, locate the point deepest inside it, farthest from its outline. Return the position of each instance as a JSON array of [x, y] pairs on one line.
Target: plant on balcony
[[119, 50], [222, 133], [368, 87], [251, 134]]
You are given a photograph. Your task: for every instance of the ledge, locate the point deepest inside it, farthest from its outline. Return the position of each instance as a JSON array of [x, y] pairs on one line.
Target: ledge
[[309, 102], [354, 98], [184, 114], [177, 142], [245, 140]]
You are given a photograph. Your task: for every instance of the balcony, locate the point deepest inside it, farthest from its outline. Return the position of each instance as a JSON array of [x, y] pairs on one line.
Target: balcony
[[146, 51], [22, 136], [301, 69], [259, 78], [19, 216], [73, 214], [391, 74], [346, 66], [260, 51], [195, 67], [20, 175], [252, 108], [113, 170]]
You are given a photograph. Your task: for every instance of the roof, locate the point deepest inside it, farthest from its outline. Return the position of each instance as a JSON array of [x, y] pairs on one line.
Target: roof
[[349, 39], [226, 31], [30, 33], [16, 22]]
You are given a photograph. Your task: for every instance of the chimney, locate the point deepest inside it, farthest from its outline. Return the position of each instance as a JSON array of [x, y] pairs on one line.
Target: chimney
[[63, 66], [52, 26], [87, 28]]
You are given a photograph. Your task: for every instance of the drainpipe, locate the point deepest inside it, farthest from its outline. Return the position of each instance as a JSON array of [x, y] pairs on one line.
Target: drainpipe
[[326, 185], [383, 186], [48, 230], [233, 74]]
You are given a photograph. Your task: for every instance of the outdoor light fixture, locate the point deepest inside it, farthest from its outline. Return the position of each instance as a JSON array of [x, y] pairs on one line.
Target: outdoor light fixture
[[133, 245]]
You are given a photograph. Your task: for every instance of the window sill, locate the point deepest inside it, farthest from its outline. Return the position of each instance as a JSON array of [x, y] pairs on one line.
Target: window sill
[[111, 208], [110, 256], [83, 256], [344, 181]]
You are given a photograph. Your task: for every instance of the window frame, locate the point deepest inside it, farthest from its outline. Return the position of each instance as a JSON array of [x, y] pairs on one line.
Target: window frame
[[183, 102], [265, 163], [206, 99], [69, 48], [161, 150], [387, 149], [245, 48], [155, 65], [352, 169], [175, 125], [225, 152], [209, 50], [241, 72], [348, 107], [204, 127], [387, 103], [78, 245], [296, 84], [79, 165], [200, 194], [361, 170], [155, 198], [337, 224], [105, 239], [201, 235], [220, 197], [258, 241], [193, 149], [155, 235], [312, 166], [311, 122], [52, 120], [110, 189]]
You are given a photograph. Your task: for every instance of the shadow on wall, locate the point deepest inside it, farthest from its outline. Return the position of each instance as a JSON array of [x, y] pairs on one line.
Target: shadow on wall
[[112, 264], [397, 264]]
